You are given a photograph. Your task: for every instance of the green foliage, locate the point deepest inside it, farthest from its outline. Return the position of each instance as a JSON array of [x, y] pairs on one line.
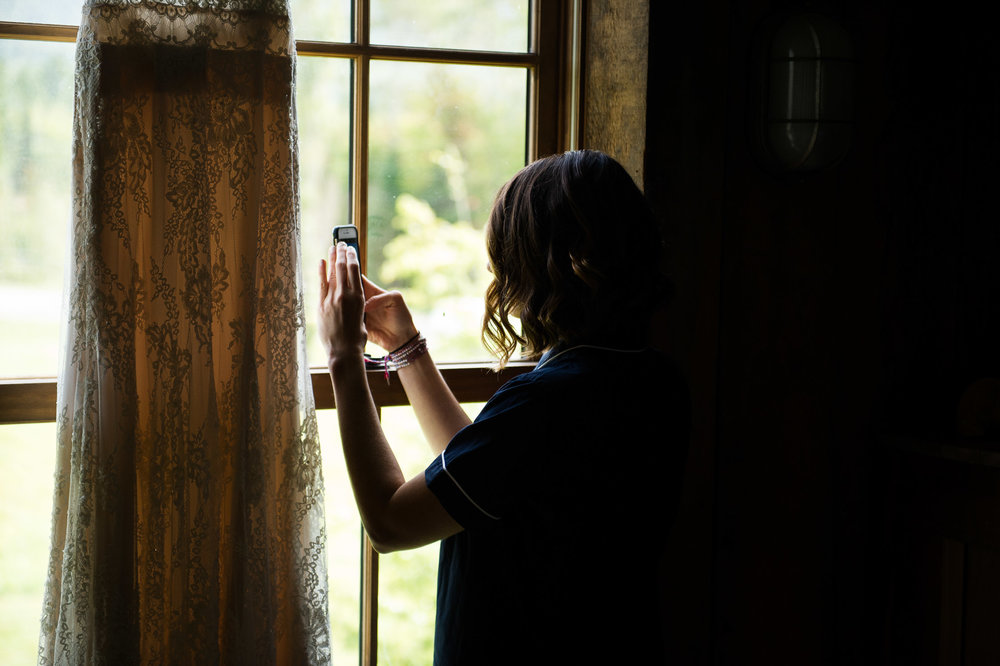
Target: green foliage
[[441, 267], [407, 603], [443, 140], [448, 135], [35, 161], [328, 20], [27, 461], [497, 25], [430, 258]]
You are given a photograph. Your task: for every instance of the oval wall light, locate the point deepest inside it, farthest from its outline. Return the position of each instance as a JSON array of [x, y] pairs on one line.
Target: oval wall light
[[806, 107]]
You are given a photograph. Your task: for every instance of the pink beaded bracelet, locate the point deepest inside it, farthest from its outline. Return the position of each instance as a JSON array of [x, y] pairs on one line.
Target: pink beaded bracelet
[[400, 357]]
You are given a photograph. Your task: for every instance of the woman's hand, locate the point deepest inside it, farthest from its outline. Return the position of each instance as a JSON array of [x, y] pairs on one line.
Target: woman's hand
[[388, 320], [342, 305], [346, 321]]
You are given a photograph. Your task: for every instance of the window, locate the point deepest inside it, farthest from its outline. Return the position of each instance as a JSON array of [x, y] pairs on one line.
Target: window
[[410, 116]]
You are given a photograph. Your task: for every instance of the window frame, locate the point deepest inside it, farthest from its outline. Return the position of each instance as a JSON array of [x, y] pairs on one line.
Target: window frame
[[553, 66]]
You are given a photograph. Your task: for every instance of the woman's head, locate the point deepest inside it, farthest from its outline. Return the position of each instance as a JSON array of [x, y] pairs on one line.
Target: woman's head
[[576, 253]]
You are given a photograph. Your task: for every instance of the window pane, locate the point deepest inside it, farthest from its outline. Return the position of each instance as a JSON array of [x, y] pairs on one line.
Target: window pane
[[65, 12], [343, 545], [27, 461], [322, 20], [407, 596], [486, 25], [323, 93], [443, 138], [35, 197]]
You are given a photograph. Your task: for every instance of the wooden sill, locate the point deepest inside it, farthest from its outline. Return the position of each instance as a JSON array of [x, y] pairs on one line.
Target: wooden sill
[[34, 400]]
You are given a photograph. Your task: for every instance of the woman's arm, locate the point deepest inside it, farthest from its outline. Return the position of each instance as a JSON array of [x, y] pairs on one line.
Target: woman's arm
[[396, 513], [390, 325], [438, 411]]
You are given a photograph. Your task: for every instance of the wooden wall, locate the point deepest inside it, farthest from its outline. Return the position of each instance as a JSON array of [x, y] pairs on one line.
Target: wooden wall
[[818, 318], [616, 48]]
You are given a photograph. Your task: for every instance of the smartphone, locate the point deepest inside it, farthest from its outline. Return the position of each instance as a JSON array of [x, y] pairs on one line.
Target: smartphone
[[347, 233]]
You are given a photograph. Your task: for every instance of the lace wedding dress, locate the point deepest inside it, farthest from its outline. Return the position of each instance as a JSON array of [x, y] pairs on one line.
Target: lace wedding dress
[[188, 512]]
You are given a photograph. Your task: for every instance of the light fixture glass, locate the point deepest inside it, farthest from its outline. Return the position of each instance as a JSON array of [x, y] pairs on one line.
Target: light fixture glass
[[809, 99]]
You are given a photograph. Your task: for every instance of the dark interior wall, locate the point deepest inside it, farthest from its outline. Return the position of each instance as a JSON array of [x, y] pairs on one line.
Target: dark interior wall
[[817, 317], [940, 200], [685, 181]]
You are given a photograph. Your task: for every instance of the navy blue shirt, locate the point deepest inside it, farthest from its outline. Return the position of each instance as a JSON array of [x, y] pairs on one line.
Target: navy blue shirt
[[565, 485]]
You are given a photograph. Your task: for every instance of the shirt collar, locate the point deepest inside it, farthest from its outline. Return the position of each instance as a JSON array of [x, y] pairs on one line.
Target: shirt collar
[[549, 353]]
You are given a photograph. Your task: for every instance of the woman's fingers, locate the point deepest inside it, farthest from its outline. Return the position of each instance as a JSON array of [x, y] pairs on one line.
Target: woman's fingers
[[330, 270], [343, 287], [354, 280], [380, 301], [389, 320], [341, 303], [324, 284], [340, 266], [347, 270], [371, 289]]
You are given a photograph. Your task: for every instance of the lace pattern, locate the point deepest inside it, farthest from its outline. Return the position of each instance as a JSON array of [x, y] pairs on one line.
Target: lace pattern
[[225, 25], [188, 511]]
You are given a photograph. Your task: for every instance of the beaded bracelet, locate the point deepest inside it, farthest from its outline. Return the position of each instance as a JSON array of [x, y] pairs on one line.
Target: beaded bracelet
[[400, 357]]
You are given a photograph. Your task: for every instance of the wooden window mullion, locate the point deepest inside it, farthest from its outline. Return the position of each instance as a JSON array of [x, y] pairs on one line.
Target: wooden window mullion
[[368, 635], [359, 139]]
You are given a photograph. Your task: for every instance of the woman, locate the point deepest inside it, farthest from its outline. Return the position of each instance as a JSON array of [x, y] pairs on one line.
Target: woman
[[553, 505]]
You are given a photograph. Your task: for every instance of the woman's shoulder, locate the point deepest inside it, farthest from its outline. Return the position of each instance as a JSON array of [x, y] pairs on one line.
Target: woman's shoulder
[[585, 371], [592, 359]]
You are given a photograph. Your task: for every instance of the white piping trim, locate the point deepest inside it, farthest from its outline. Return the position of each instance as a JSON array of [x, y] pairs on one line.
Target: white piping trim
[[444, 466]]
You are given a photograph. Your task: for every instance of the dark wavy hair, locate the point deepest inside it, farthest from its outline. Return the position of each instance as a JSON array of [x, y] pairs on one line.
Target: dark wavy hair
[[576, 255]]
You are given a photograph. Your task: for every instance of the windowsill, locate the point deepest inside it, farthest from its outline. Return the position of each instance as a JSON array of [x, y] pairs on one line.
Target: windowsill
[[470, 382], [34, 400]]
